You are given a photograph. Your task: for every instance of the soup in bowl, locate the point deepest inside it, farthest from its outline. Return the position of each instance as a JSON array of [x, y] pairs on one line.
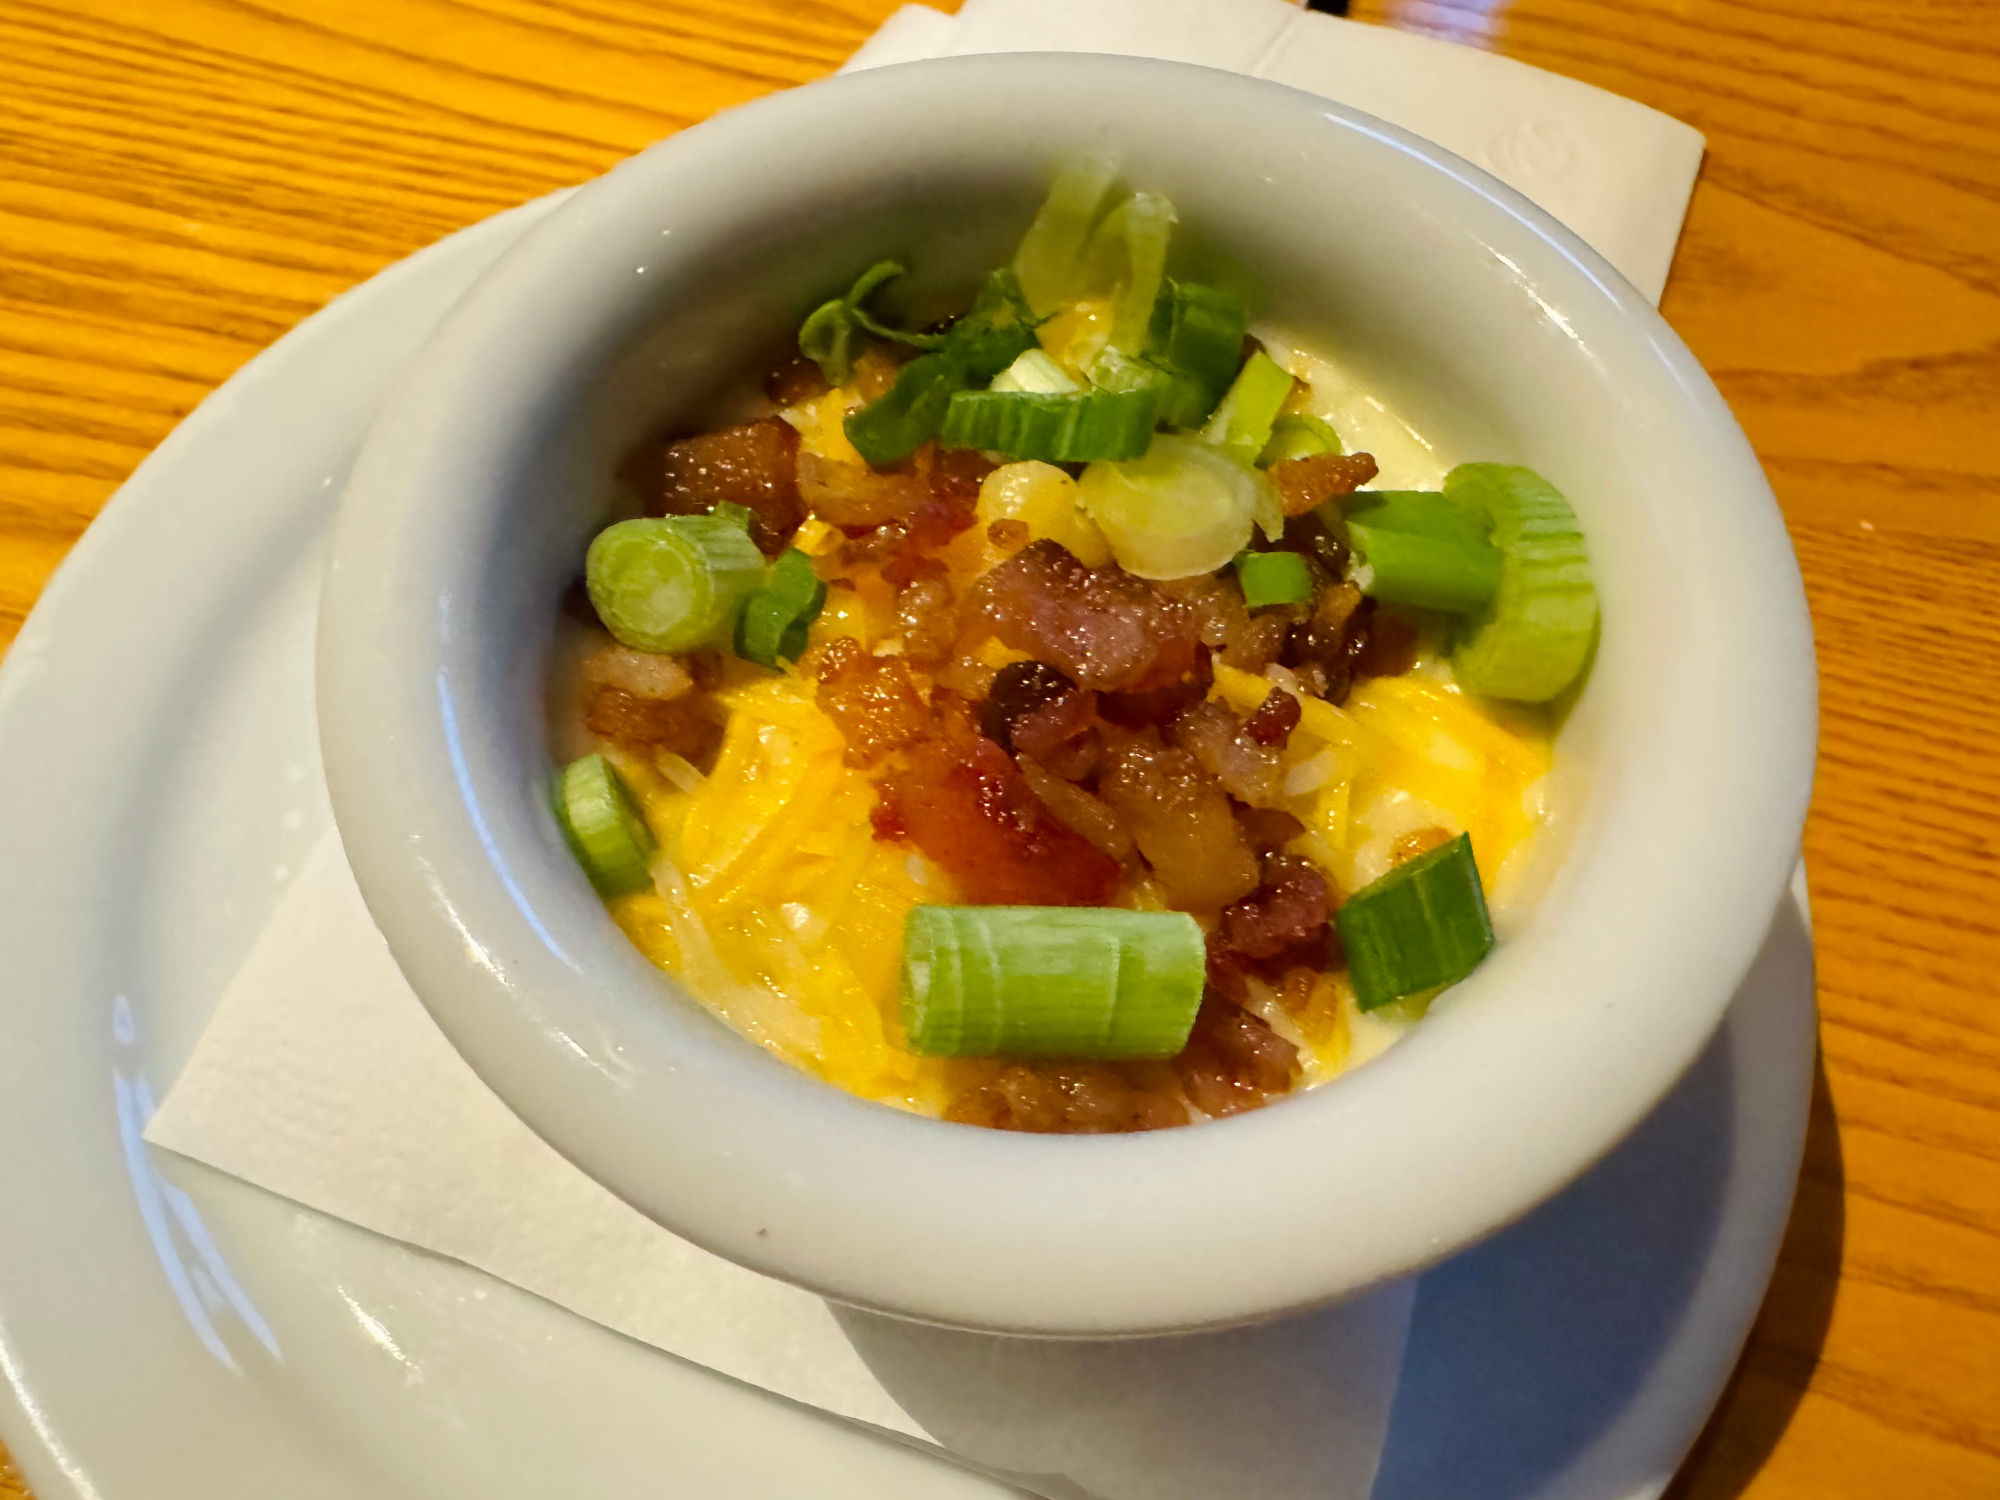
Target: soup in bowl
[[1633, 826]]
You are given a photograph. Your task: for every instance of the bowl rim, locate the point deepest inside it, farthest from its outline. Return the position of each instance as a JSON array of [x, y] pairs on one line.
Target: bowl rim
[[718, 1141]]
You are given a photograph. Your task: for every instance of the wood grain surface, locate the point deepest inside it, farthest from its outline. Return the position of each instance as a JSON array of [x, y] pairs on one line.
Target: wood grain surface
[[181, 181]]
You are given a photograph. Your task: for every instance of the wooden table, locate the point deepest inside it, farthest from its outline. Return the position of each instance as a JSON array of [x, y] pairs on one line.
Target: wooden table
[[181, 182]]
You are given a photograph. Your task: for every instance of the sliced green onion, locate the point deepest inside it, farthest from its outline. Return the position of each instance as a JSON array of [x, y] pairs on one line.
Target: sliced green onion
[[734, 514], [1420, 927], [1127, 254], [1533, 639], [774, 621], [827, 339], [1299, 437], [1273, 578], [1198, 333], [865, 287], [997, 331], [1241, 425], [1048, 257], [672, 583], [1050, 981], [1036, 373], [602, 825], [1184, 507], [828, 335], [1420, 548], [1056, 429]]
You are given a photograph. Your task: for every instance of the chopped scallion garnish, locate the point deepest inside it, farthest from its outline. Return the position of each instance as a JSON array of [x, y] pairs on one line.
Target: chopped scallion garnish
[[989, 338], [828, 335], [1061, 981], [774, 621], [1532, 640], [1298, 437], [1198, 333], [602, 825], [1128, 255], [1420, 548], [1269, 578], [1241, 425], [1420, 927], [1037, 374], [1184, 507], [1056, 429], [1050, 252], [672, 583]]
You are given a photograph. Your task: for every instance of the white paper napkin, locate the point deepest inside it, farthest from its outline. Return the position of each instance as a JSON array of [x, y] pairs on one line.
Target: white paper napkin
[[1616, 172], [321, 1077]]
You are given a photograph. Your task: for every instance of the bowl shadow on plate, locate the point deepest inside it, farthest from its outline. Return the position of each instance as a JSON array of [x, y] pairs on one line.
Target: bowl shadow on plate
[[1784, 1347], [1523, 1352]]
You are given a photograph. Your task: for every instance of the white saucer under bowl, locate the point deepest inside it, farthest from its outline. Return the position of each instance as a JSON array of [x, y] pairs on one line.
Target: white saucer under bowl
[[168, 1333]]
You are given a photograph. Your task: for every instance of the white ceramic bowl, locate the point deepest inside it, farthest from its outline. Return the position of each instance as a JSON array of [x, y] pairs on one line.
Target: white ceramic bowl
[[1688, 757]]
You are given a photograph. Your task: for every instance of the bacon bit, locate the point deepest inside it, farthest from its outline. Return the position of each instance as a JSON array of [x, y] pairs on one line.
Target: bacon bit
[[1090, 816], [1068, 1099], [643, 674], [1274, 719], [872, 700], [684, 725], [754, 465], [1233, 1060], [950, 505], [857, 498], [1020, 689], [1340, 643], [1248, 641], [1291, 907], [927, 615], [1248, 771], [1422, 841], [795, 382], [973, 814], [1008, 533], [1307, 483], [1181, 822], [1159, 706], [1102, 626]]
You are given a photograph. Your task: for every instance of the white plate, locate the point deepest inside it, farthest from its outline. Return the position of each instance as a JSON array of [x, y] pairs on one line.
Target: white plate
[[169, 1332]]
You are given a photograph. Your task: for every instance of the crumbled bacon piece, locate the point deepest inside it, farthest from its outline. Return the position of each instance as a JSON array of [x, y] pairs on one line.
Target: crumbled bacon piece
[[1068, 1098], [643, 674], [1247, 640], [687, 726], [756, 465], [857, 498], [872, 700], [1181, 822], [1305, 484], [927, 615], [1274, 719], [1105, 628], [1089, 815], [1290, 907], [1158, 707], [970, 810], [950, 505], [1233, 1060], [1019, 689], [1349, 638], [1248, 771]]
